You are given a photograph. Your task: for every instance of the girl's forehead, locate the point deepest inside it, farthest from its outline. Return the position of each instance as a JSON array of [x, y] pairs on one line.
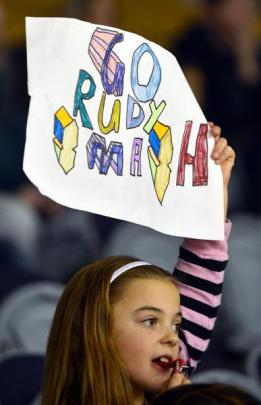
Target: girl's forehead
[[150, 283], [148, 291]]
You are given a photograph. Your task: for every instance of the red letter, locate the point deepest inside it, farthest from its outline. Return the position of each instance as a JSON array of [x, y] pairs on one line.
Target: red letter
[[199, 161]]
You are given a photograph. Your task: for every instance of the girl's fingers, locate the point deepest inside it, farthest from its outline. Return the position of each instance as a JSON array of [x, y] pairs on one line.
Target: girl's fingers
[[186, 381], [219, 148], [222, 153], [215, 130], [227, 154], [175, 380]]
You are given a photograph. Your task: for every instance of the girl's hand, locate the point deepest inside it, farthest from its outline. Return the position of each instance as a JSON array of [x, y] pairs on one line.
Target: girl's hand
[[223, 155], [175, 380]]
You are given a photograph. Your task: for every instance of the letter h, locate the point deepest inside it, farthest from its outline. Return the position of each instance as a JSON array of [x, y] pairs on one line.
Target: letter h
[[199, 161]]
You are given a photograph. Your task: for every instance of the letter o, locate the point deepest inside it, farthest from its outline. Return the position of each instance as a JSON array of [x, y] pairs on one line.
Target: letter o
[[146, 92]]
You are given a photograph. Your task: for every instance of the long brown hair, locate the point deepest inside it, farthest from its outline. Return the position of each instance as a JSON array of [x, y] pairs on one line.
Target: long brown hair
[[82, 365]]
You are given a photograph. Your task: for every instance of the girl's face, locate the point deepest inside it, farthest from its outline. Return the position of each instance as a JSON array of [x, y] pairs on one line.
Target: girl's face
[[145, 323]]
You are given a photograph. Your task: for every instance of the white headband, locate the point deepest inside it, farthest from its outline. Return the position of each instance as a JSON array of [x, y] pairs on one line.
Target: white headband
[[126, 267]]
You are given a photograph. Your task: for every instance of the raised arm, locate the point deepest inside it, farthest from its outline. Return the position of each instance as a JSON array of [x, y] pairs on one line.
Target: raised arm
[[200, 272], [200, 275]]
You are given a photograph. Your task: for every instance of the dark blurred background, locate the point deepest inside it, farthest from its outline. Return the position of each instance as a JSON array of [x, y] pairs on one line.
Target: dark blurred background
[[218, 45]]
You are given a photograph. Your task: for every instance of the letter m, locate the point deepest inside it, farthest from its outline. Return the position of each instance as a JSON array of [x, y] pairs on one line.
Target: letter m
[[103, 158]]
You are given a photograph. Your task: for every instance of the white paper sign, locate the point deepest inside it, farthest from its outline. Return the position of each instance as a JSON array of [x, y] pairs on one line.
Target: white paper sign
[[114, 129]]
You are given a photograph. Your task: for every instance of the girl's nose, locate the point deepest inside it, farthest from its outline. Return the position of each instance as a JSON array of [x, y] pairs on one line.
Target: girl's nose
[[170, 338]]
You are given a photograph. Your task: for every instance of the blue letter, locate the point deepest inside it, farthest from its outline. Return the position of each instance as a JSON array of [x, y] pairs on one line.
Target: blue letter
[[142, 92], [133, 122]]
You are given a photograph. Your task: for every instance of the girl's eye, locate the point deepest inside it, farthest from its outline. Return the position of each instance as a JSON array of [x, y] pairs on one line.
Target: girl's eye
[[176, 327], [148, 323]]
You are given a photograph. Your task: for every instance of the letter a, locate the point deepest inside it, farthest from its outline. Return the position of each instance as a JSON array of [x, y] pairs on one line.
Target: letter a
[[136, 156]]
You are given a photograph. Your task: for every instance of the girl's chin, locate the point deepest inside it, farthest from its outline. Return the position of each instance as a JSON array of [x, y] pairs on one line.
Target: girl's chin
[[157, 386]]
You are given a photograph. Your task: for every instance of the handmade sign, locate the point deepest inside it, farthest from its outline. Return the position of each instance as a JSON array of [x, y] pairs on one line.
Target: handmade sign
[[114, 129]]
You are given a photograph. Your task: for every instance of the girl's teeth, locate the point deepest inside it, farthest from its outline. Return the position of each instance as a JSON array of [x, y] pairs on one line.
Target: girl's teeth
[[164, 359]]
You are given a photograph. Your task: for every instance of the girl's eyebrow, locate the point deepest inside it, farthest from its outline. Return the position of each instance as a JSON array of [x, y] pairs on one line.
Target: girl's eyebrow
[[154, 309], [148, 308]]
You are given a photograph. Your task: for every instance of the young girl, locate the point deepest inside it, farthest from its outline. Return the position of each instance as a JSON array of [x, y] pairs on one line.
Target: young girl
[[121, 323]]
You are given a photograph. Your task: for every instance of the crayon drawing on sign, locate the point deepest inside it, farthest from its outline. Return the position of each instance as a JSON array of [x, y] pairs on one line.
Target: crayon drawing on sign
[[121, 133]]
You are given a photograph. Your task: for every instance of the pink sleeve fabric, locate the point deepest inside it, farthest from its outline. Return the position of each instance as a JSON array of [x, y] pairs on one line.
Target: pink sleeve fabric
[[200, 274], [217, 250]]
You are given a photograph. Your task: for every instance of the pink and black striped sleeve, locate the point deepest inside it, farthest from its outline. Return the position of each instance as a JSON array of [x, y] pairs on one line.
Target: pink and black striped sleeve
[[200, 275]]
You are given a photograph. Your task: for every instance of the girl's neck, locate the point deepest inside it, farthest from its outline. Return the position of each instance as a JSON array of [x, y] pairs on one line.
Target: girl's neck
[[139, 398], [139, 401]]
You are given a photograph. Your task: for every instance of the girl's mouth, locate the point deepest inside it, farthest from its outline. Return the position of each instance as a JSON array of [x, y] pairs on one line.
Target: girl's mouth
[[167, 362]]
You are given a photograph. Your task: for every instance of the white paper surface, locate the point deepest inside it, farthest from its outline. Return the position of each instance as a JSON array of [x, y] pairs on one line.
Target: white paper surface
[[113, 128]]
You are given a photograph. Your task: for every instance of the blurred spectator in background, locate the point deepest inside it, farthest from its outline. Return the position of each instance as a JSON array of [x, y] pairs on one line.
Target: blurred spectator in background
[[221, 58], [102, 12], [13, 110]]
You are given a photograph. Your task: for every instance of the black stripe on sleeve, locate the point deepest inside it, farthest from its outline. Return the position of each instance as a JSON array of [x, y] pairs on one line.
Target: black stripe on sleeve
[[197, 306], [197, 282], [196, 329], [194, 353], [210, 264]]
